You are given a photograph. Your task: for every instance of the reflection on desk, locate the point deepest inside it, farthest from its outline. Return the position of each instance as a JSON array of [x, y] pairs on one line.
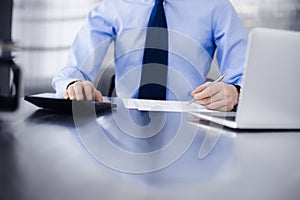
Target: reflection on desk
[[128, 154]]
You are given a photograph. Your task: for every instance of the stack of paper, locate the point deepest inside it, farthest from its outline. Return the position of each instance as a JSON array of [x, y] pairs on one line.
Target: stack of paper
[[164, 106]]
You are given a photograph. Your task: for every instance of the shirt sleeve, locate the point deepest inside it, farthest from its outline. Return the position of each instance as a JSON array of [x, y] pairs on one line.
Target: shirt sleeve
[[231, 40], [88, 49]]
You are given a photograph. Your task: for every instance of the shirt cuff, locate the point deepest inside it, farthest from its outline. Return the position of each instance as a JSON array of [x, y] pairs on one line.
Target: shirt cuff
[[71, 83], [60, 87], [238, 88]]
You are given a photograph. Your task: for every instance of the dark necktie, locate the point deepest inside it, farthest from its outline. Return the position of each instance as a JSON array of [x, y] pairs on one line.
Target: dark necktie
[[155, 60]]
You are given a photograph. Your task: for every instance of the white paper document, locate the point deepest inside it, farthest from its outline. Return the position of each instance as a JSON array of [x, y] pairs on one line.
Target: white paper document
[[164, 106]]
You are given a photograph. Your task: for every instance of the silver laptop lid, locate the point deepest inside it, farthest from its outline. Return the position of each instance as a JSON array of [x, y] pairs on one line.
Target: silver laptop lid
[[270, 96]]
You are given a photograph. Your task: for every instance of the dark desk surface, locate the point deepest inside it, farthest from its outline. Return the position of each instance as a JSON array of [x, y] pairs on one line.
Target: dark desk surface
[[136, 155]]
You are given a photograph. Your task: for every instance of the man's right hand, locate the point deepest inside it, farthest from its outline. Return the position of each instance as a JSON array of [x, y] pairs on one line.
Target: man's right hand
[[83, 90]]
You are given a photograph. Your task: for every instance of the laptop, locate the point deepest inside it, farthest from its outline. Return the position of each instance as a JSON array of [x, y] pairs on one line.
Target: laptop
[[49, 101], [270, 95]]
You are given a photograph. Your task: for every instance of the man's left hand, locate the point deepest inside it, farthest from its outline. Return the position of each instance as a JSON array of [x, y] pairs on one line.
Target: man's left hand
[[220, 96]]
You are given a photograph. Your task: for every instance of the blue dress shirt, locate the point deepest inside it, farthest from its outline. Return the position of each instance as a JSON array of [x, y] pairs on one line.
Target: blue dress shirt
[[196, 29]]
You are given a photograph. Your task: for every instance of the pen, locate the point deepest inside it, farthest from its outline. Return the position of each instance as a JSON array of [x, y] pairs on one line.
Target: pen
[[210, 85]]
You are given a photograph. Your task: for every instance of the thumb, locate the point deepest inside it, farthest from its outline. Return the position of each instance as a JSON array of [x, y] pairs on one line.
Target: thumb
[[98, 96]]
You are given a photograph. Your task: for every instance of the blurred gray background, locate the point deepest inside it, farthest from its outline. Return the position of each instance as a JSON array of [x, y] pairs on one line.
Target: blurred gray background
[[44, 30]]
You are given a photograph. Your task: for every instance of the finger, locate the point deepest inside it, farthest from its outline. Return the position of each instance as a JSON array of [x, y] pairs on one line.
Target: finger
[[98, 96], [78, 88], [89, 91], [218, 105], [200, 88], [222, 109], [217, 97], [66, 95], [71, 92], [209, 92]]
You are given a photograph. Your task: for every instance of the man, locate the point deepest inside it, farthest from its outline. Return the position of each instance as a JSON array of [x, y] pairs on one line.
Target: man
[[196, 29]]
